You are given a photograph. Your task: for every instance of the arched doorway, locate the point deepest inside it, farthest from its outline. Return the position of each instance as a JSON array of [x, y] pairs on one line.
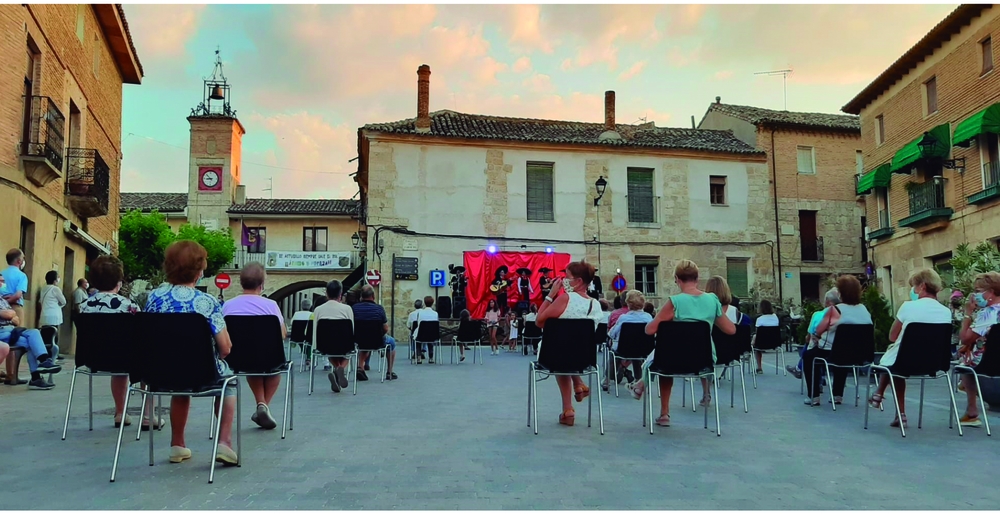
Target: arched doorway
[[288, 298]]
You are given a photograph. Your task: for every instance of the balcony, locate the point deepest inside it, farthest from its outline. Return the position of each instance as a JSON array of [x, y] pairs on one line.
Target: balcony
[[926, 203], [812, 250], [292, 260], [991, 184], [884, 230], [87, 182], [42, 147]]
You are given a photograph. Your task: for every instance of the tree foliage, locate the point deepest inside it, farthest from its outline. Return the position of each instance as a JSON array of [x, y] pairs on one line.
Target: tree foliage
[[142, 239], [218, 243], [881, 313], [967, 262]]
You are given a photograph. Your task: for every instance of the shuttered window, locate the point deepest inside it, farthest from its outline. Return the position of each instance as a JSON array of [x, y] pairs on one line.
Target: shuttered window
[[640, 196], [539, 195], [717, 190], [737, 274], [806, 160], [645, 275]]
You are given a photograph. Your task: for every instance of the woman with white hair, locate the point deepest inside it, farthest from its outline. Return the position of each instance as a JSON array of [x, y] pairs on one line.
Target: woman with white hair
[[635, 302]]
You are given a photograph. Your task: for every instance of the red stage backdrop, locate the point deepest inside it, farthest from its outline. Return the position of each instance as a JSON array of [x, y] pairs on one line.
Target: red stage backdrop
[[480, 267]]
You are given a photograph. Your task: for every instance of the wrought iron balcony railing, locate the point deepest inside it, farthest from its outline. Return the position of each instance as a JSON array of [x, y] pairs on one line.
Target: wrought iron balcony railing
[[87, 182], [926, 203], [991, 184], [42, 145], [884, 228]]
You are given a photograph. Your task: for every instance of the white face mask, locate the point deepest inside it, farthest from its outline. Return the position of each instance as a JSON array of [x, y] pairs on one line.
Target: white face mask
[[20, 266], [568, 284]]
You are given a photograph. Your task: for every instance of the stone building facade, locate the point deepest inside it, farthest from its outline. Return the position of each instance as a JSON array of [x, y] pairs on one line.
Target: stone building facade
[[931, 151], [812, 161], [61, 81], [444, 183]]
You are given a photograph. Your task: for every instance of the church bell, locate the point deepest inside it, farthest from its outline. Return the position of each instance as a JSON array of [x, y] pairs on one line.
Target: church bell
[[217, 93]]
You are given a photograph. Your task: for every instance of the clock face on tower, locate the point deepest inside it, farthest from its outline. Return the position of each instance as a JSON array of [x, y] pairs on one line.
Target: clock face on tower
[[210, 178]]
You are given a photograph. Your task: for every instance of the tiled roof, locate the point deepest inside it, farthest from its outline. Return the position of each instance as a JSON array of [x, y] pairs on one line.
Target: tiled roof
[[452, 124], [759, 116], [128, 36], [293, 206], [145, 202]]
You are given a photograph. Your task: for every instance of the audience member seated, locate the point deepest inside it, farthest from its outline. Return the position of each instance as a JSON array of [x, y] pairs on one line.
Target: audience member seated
[[304, 313], [720, 288], [981, 312], [107, 274], [692, 304], [605, 311], [39, 360], [650, 309], [831, 298], [411, 323], [466, 317], [426, 314], [620, 308], [368, 310], [767, 318], [923, 307], [569, 300], [635, 302], [850, 311], [184, 264], [333, 308], [251, 303]]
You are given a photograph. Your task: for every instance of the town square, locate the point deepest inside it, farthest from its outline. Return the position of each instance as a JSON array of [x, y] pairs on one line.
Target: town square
[[483, 257]]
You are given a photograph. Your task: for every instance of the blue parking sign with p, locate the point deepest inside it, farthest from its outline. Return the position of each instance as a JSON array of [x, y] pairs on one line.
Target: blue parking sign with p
[[438, 278]]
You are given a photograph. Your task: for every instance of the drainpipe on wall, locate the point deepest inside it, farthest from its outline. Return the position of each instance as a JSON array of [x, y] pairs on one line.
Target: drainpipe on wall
[[777, 226]]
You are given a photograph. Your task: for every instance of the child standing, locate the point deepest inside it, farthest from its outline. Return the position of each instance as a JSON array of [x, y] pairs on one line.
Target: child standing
[[512, 332]]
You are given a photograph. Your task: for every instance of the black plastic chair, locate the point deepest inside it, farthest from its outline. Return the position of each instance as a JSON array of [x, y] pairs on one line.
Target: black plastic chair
[[988, 367], [768, 340], [683, 350], [729, 350], [531, 336], [924, 354], [563, 351], [369, 336], [429, 333], [633, 345], [470, 333], [333, 338], [301, 334], [103, 346], [853, 347], [259, 351], [177, 357]]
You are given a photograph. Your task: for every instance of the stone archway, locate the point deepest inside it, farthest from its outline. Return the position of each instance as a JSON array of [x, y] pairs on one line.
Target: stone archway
[[295, 287]]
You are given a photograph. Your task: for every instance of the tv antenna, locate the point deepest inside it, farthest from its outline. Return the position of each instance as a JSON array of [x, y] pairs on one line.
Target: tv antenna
[[784, 82], [270, 187]]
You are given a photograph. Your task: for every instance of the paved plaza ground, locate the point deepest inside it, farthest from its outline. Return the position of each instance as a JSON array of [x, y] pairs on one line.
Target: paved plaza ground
[[455, 437]]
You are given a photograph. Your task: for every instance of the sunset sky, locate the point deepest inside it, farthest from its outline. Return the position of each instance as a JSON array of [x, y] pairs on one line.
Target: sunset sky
[[304, 78]]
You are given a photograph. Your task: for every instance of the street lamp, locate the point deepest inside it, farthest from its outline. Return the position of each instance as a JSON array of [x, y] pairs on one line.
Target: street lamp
[[601, 185], [926, 143], [356, 240]]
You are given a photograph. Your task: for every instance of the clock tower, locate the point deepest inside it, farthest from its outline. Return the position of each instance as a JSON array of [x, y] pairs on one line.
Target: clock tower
[[215, 150]]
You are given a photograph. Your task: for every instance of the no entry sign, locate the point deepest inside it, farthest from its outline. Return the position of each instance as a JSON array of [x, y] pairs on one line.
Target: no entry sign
[[222, 281], [619, 284], [373, 277]]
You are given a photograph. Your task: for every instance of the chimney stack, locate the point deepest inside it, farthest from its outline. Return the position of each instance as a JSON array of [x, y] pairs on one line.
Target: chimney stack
[[423, 123], [692, 122], [609, 110], [718, 99]]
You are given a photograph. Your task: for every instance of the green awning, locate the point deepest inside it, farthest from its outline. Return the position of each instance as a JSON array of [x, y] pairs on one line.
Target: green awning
[[878, 177], [940, 139], [986, 121]]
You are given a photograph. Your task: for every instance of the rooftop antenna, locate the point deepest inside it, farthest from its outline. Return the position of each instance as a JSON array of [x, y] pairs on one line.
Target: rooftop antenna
[[784, 78], [270, 187]]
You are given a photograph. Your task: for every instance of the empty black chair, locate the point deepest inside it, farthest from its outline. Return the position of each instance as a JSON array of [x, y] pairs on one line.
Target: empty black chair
[[565, 350], [471, 333], [767, 340], [176, 356], [924, 353], [429, 333], [729, 350], [853, 348], [683, 350], [103, 348], [333, 338], [369, 336], [989, 367], [633, 345], [259, 351], [301, 334]]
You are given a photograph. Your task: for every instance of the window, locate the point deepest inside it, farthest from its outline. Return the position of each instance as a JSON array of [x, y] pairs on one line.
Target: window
[[81, 13], [717, 190], [738, 276], [641, 204], [879, 130], [809, 237], [882, 202], [989, 155], [645, 275], [539, 179], [807, 160], [930, 93], [986, 48], [27, 244], [314, 239], [258, 239], [97, 56], [859, 163]]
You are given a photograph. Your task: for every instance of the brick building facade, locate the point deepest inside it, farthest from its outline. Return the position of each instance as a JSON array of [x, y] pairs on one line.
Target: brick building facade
[[930, 150]]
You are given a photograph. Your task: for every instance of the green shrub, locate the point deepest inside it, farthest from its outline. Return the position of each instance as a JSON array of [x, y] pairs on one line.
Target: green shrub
[[881, 313]]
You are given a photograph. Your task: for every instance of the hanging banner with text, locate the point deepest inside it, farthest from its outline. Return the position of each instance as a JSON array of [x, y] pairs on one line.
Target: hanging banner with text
[[294, 261]]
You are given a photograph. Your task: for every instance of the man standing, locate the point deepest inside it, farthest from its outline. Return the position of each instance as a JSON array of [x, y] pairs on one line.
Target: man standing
[[334, 309], [80, 294], [368, 310]]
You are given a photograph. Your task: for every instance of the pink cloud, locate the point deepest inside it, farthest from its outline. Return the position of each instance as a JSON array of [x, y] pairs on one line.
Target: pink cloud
[[723, 75], [526, 32], [632, 71], [162, 31], [521, 65], [539, 83]]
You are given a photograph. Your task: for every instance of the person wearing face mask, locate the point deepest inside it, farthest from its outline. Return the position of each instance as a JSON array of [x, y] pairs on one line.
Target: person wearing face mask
[[850, 311], [51, 301], [16, 286], [922, 307], [981, 312], [569, 300]]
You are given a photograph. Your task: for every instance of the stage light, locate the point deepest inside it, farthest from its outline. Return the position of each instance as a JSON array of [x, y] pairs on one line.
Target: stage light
[[549, 249], [491, 249]]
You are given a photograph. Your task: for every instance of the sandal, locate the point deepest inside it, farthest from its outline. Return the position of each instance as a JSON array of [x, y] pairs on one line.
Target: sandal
[[567, 418], [705, 401], [895, 422], [582, 392], [875, 401], [636, 391], [663, 421]]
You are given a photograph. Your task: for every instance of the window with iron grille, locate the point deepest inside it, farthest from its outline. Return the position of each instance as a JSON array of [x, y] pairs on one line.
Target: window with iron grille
[[717, 190], [645, 274], [641, 203], [539, 191], [738, 276]]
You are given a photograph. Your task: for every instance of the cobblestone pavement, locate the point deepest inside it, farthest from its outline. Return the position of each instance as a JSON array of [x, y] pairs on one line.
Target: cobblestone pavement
[[455, 437]]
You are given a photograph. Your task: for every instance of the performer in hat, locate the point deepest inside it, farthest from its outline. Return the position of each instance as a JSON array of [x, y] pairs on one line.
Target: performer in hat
[[458, 281], [545, 282], [499, 287], [595, 290], [525, 289]]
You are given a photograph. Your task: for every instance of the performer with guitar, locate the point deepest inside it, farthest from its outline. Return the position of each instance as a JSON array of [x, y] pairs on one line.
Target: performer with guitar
[[499, 287]]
